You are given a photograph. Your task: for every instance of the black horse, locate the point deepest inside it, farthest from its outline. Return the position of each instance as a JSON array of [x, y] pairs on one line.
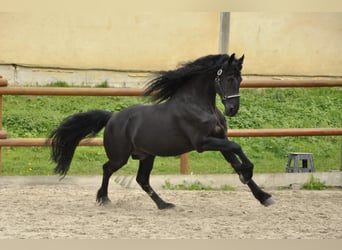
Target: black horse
[[184, 117]]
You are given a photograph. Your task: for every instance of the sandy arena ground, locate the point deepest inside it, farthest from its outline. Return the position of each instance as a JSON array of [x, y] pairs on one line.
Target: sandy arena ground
[[60, 211]]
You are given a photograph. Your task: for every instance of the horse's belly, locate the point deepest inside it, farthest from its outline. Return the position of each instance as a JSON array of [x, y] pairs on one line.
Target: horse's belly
[[151, 130], [162, 145]]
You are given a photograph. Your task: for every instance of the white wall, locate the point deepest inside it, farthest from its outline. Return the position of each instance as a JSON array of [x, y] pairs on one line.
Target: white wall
[[297, 44], [288, 43], [119, 41]]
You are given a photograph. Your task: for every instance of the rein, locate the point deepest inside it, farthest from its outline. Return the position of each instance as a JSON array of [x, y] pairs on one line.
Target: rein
[[220, 90]]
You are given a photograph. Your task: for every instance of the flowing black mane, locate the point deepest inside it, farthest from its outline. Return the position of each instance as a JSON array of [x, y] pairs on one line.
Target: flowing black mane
[[167, 83]]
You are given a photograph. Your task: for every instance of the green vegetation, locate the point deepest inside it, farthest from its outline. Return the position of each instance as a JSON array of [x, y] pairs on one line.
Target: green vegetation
[[36, 116], [314, 184], [195, 186]]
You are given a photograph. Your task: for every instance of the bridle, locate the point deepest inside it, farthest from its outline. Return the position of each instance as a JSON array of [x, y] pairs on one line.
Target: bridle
[[220, 90]]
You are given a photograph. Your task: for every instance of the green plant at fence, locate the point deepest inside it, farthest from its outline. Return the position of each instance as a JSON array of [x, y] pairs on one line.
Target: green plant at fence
[[195, 186], [314, 184]]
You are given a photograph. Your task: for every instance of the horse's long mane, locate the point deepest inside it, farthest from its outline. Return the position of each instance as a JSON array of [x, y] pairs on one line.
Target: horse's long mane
[[166, 84]]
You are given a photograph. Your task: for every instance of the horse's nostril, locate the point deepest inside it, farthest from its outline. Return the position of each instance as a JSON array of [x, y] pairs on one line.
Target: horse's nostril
[[231, 109]]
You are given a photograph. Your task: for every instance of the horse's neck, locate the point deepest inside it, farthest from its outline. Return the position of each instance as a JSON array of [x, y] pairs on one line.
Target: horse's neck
[[200, 92]]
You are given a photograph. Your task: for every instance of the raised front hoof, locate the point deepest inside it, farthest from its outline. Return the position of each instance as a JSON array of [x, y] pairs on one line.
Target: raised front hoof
[[103, 201], [268, 202], [166, 206]]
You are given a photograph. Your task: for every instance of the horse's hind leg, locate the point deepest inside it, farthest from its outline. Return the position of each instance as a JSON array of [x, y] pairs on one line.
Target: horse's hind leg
[[264, 198], [108, 169], [143, 178]]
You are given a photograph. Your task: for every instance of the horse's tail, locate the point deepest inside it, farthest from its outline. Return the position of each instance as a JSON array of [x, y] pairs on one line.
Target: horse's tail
[[70, 132]]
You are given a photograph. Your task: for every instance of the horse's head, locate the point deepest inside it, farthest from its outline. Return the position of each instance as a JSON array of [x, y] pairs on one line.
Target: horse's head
[[227, 84]]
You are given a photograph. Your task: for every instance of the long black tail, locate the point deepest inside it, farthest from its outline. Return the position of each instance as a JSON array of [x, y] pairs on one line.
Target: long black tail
[[70, 132]]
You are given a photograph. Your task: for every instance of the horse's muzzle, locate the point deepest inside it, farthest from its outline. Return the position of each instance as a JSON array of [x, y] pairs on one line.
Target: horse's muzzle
[[231, 108]]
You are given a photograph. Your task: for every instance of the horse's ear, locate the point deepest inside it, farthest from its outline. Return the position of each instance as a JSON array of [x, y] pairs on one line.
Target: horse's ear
[[240, 61], [231, 59]]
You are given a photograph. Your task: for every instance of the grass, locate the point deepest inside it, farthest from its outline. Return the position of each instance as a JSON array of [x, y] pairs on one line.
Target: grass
[[36, 116], [314, 184], [195, 186]]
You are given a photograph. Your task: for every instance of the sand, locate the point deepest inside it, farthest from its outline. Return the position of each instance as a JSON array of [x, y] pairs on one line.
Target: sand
[[62, 211]]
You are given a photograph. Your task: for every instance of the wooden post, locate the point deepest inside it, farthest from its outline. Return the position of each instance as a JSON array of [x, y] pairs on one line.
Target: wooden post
[[0, 130], [184, 163], [341, 158], [3, 83]]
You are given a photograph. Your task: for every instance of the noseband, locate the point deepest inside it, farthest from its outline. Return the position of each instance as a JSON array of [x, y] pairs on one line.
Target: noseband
[[220, 90]]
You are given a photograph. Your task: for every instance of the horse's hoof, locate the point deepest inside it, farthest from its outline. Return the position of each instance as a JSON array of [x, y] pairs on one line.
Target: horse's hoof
[[103, 201], [268, 202], [166, 206]]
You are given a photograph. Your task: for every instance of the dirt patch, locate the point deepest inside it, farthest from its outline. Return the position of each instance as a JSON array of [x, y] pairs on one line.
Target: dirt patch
[[69, 211]]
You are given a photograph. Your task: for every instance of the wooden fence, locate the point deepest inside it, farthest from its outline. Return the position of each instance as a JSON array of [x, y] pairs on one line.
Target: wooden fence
[[24, 142]]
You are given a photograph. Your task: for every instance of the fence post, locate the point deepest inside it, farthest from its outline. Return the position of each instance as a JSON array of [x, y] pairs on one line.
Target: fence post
[[341, 158], [0, 129], [184, 163], [3, 83]]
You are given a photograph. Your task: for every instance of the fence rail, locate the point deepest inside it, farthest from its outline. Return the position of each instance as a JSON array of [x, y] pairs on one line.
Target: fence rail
[[40, 142], [72, 91], [28, 142]]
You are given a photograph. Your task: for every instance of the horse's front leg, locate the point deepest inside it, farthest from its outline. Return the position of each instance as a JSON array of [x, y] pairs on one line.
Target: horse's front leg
[[244, 170], [264, 198], [229, 149]]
